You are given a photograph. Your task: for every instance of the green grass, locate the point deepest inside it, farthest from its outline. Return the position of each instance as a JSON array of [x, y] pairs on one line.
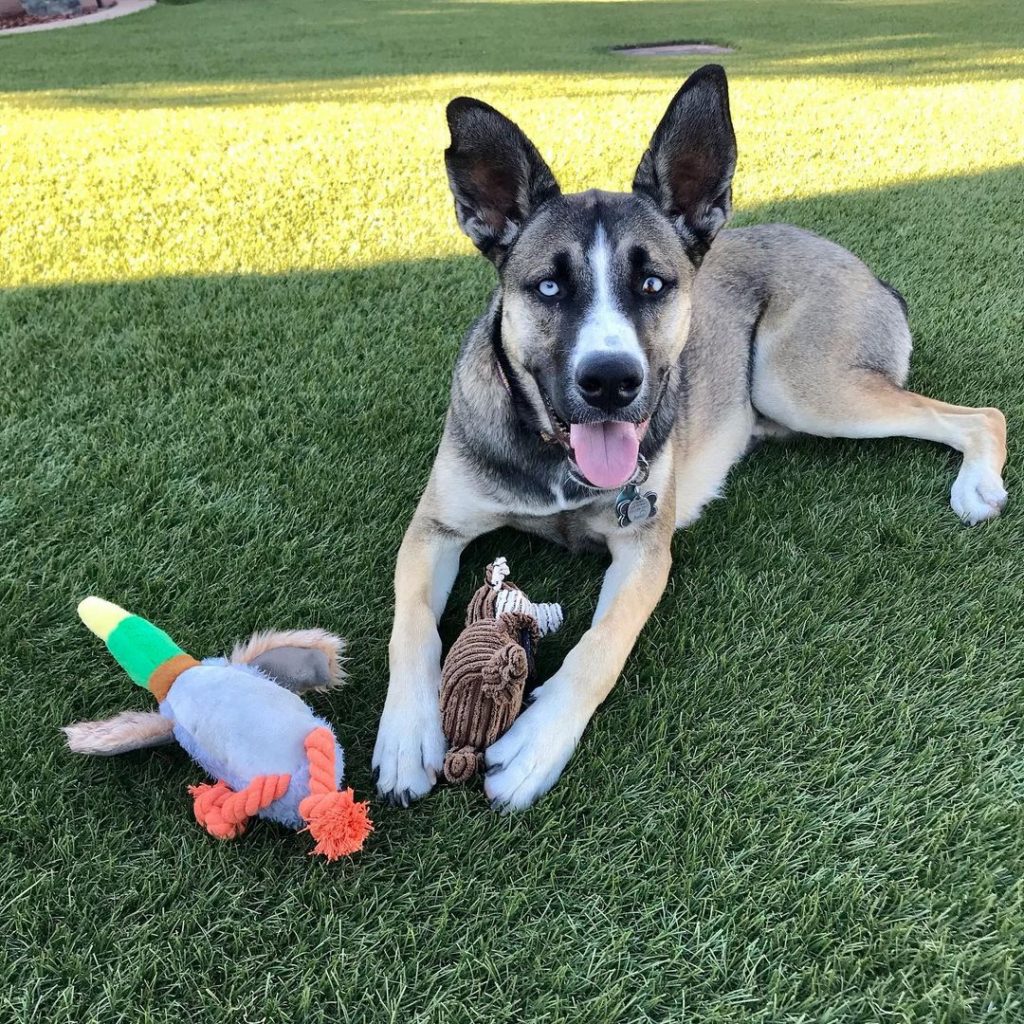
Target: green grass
[[231, 288]]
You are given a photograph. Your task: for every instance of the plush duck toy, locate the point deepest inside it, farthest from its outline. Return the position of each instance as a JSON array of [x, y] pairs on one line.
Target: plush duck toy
[[240, 718]]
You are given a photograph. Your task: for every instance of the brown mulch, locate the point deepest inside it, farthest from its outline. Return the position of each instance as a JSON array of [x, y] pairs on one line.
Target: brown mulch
[[21, 20]]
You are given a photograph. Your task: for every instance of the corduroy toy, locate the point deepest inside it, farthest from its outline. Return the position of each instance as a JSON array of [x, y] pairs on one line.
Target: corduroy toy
[[240, 718], [487, 669]]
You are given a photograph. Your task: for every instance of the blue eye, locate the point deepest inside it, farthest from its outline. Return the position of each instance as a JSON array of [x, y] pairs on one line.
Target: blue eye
[[549, 289], [652, 285]]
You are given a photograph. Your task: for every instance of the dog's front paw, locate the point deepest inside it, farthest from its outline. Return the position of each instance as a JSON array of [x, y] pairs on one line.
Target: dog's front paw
[[978, 494], [410, 748], [527, 761]]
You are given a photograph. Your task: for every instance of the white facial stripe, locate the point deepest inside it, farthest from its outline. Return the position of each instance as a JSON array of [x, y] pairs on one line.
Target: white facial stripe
[[606, 328]]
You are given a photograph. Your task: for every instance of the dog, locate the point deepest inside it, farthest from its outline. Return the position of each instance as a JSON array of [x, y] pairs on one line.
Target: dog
[[629, 356]]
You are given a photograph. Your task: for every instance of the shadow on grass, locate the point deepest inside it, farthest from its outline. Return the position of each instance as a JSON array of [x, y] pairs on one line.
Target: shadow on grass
[[230, 452], [292, 43], [815, 741]]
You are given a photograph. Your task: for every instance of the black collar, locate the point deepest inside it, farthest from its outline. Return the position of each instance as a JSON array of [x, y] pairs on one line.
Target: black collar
[[521, 407]]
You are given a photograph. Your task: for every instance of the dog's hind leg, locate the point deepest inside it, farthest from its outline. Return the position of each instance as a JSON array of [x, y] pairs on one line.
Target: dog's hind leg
[[866, 404], [832, 360]]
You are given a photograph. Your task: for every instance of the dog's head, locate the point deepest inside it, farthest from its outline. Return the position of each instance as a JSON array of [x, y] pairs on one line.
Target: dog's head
[[595, 287]]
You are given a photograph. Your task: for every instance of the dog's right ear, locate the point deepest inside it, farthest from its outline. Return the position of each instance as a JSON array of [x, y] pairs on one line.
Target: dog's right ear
[[496, 175]]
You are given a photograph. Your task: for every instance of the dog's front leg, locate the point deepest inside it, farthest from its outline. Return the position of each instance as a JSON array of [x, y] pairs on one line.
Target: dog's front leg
[[410, 745], [527, 761]]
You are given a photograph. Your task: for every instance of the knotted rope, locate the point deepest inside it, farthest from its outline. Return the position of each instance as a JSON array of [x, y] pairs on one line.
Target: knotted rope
[[224, 813]]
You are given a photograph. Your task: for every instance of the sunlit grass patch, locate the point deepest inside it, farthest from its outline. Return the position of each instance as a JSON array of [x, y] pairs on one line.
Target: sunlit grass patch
[[231, 289], [354, 175]]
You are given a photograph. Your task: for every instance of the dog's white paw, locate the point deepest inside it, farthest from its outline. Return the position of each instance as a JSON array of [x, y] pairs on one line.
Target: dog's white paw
[[978, 494], [410, 748], [527, 761]]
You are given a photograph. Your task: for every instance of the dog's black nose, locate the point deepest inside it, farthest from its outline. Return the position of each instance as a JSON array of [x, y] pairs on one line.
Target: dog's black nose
[[610, 380]]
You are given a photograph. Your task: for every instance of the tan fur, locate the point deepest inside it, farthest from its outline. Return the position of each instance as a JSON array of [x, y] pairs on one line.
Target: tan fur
[[832, 354], [778, 331], [267, 640], [830, 357], [130, 730]]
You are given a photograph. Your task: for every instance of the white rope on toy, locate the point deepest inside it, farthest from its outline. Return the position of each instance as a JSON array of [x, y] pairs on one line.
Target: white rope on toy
[[499, 572], [549, 616]]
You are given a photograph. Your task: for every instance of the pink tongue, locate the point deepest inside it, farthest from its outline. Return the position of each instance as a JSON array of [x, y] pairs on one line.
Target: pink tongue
[[605, 452]]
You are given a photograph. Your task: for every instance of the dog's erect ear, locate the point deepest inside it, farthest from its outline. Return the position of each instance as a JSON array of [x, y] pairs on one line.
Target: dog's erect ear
[[688, 167], [496, 175]]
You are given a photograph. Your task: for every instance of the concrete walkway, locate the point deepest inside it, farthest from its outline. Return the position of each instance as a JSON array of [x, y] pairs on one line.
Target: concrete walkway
[[123, 7]]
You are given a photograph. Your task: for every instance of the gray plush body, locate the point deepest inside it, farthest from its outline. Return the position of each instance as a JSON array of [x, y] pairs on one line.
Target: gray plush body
[[238, 717], [237, 722]]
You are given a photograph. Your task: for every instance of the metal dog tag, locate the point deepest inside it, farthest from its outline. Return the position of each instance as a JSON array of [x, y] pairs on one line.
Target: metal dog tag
[[635, 506]]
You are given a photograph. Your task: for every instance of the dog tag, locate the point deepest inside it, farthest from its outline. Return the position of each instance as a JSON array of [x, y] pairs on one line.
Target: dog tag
[[635, 506]]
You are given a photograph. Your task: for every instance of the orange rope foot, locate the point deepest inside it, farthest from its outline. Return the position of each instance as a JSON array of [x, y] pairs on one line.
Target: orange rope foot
[[337, 821], [224, 813], [206, 804]]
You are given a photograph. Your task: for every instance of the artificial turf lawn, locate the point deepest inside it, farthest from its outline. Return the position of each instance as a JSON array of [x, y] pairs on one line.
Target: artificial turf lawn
[[232, 291]]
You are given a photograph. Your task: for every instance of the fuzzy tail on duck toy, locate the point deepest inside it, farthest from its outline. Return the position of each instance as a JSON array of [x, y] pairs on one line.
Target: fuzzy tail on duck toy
[[241, 719]]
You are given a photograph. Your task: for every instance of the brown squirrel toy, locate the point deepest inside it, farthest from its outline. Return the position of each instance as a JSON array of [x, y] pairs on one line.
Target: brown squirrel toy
[[487, 669]]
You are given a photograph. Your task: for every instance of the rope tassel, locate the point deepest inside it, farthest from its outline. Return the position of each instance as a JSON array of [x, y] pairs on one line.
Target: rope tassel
[[337, 821]]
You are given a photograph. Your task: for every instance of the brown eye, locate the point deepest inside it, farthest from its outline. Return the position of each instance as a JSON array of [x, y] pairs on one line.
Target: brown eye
[[652, 285]]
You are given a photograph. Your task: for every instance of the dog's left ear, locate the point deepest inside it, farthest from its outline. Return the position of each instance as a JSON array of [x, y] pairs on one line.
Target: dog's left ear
[[496, 175], [688, 167]]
